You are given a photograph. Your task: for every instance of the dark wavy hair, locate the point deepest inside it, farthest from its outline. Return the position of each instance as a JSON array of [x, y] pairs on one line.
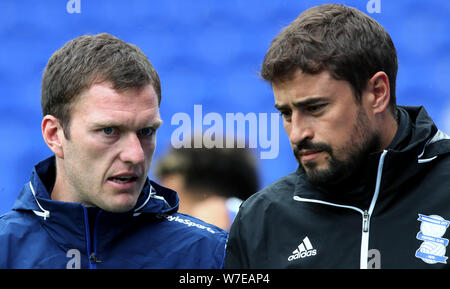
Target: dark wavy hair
[[346, 42]]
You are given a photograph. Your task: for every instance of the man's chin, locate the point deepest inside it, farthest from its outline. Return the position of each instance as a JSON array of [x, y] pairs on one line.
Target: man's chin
[[320, 174], [335, 174], [319, 177], [120, 203]]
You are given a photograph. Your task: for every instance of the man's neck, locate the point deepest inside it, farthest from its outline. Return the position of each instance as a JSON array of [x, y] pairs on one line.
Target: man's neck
[[388, 127], [61, 190]]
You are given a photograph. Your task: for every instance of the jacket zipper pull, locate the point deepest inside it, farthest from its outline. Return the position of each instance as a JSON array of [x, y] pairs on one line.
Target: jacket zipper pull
[[93, 259], [366, 221]]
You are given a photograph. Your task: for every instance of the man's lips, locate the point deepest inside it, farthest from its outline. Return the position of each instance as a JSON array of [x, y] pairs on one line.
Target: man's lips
[[124, 178], [309, 155]]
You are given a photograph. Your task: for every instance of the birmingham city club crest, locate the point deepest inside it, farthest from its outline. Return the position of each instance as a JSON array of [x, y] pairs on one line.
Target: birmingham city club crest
[[433, 247]]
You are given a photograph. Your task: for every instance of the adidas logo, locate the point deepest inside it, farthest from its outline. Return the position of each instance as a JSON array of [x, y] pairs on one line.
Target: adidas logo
[[305, 249]]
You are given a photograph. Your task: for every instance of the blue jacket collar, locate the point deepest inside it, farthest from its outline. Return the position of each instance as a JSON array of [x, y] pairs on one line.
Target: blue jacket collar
[[154, 198], [62, 219]]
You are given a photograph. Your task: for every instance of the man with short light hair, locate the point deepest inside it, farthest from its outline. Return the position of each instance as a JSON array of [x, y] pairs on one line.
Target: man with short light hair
[[91, 205]]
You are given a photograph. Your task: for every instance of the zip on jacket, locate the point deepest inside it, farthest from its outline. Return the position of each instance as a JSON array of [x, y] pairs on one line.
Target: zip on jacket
[[398, 204], [366, 214], [43, 233], [91, 242]]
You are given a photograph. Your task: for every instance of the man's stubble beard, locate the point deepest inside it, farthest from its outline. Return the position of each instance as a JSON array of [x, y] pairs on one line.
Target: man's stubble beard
[[355, 154]]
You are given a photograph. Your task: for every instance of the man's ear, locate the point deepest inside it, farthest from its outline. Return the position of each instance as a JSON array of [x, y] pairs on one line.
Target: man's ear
[[378, 90], [53, 134]]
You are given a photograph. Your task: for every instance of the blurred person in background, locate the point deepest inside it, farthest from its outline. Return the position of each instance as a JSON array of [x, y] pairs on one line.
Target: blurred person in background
[[211, 182], [91, 204]]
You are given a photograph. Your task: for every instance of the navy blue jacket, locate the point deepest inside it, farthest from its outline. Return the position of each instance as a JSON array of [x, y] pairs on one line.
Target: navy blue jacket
[[43, 233]]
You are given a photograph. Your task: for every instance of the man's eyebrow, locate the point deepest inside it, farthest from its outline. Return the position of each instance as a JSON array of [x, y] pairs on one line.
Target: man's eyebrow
[[111, 123], [302, 103], [103, 124], [156, 123], [281, 106], [310, 101]]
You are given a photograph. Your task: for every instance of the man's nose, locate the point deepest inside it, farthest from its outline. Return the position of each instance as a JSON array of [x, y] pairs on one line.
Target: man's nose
[[132, 151], [300, 129]]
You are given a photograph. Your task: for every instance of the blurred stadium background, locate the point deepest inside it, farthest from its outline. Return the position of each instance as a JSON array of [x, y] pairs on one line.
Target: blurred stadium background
[[206, 52]]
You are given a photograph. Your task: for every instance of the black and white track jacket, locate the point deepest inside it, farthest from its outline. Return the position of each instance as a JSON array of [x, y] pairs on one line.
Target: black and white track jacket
[[395, 215]]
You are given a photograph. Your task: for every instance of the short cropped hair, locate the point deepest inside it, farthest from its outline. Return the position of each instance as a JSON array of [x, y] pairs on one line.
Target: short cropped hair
[[228, 172], [342, 40], [90, 59]]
